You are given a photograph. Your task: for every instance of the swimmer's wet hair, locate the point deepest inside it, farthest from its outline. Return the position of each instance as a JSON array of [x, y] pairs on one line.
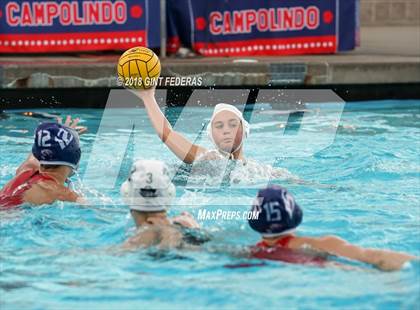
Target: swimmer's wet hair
[[146, 213], [50, 167]]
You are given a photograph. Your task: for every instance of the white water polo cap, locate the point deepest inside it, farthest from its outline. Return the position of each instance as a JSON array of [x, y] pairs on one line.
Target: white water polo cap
[[149, 187], [228, 107]]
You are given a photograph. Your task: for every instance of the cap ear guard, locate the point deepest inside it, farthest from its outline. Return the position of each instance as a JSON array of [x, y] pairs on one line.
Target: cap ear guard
[[125, 189], [245, 128]]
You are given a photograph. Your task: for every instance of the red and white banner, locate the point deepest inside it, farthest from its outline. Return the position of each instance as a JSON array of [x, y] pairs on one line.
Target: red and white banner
[[76, 25]]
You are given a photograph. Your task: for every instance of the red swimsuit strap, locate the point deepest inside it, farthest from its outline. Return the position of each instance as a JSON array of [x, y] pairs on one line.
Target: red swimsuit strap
[[35, 178], [283, 242], [12, 194], [40, 177], [17, 182]]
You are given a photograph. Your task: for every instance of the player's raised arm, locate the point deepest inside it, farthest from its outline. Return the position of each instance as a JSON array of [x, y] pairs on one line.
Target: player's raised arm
[[177, 143]]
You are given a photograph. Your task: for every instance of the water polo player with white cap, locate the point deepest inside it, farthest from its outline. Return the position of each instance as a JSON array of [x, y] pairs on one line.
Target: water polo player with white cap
[[148, 192], [227, 130], [278, 217], [40, 179]]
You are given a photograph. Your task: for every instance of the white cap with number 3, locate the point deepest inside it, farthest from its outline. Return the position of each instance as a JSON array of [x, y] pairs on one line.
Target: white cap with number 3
[[149, 187]]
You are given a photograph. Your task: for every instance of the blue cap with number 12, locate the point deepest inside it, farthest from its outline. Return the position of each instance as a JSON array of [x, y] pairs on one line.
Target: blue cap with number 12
[[56, 144], [278, 213]]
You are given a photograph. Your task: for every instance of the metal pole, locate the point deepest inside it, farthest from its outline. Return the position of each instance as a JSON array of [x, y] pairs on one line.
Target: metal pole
[[162, 28]]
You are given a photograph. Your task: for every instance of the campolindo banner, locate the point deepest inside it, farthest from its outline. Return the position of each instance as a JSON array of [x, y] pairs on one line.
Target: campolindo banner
[[262, 27], [68, 26]]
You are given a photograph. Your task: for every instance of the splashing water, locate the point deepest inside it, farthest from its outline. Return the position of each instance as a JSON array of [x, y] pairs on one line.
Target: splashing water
[[66, 256]]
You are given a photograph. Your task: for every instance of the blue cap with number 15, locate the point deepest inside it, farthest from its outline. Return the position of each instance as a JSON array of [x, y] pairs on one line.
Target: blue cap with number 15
[[278, 213], [56, 144]]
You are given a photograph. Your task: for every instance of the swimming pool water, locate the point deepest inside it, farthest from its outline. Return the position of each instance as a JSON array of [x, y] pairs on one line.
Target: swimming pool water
[[65, 256]]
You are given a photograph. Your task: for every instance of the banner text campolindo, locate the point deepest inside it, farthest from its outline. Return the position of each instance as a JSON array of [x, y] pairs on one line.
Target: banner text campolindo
[[45, 13]]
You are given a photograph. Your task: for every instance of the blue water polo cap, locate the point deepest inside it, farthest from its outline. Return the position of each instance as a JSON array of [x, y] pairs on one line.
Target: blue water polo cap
[[278, 213], [56, 144]]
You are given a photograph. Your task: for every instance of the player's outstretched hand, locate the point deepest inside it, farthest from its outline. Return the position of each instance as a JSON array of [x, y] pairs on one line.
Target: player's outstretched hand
[[72, 123], [144, 94]]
